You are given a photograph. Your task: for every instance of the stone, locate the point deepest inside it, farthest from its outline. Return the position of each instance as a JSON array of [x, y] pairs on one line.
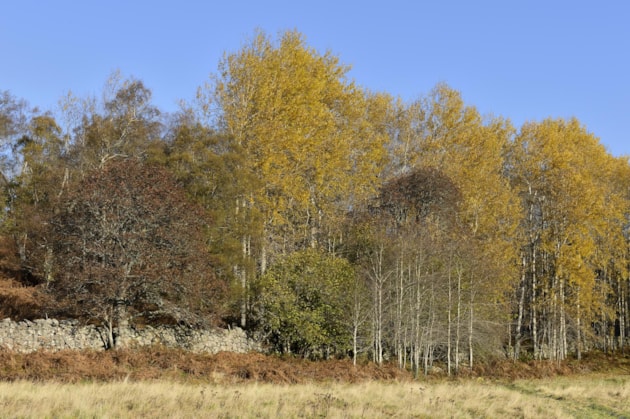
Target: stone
[[55, 335]]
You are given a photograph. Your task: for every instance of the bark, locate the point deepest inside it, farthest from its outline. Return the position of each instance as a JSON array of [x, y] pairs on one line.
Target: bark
[[578, 345], [263, 259], [378, 280], [399, 314], [459, 316], [448, 326], [355, 334], [563, 325], [246, 251], [521, 310], [534, 307], [623, 312], [471, 323]]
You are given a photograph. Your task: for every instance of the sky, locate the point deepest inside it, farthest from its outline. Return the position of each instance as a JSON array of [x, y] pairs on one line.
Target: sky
[[522, 60]]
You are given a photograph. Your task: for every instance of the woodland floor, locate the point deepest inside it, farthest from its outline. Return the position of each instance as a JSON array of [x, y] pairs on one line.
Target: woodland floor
[[158, 363]]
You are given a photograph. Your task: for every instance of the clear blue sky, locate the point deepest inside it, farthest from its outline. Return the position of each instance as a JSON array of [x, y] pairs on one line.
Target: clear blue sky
[[524, 60]]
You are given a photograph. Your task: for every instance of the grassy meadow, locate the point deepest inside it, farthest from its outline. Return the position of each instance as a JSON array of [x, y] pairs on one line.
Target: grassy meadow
[[587, 396]]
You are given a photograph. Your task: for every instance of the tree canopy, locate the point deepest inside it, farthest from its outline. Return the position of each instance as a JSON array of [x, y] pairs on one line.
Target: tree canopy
[[127, 243], [324, 218]]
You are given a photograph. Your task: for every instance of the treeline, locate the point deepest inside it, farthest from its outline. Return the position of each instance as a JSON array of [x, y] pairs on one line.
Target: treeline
[[326, 219]]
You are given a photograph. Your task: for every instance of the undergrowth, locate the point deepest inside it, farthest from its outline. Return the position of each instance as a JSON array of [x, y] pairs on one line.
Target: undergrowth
[[157, 363]]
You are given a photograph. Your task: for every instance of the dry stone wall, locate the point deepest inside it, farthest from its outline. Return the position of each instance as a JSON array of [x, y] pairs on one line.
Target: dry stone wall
[[54, 335]]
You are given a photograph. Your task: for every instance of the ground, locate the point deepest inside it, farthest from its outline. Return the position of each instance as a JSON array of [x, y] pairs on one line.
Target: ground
[[163, 363]]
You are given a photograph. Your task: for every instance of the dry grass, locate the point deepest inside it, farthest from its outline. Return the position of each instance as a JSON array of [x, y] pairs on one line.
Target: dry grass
[[161, 363], [160, 382], [18, 301], [178, 365], [585, 396]]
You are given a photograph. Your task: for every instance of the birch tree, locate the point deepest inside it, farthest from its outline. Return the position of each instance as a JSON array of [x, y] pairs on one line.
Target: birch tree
[[563, 174], [440, 131], [305, 132]]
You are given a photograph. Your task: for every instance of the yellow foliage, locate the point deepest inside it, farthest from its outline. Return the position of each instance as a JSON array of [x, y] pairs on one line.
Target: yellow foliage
[[441, 132], [565, 171], [305, 128]]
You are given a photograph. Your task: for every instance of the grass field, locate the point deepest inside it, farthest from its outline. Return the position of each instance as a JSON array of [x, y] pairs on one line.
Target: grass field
[[587, 396], [158, 382]]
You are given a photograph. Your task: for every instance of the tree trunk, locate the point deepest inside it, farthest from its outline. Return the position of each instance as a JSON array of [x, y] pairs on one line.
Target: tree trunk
[[379, 334], [623, 312], [553, 336], [122, 321], [246, 252], [459, 316], [378, 280], [399, 314], [534, 307], [563, 323], [448, 326], [471, 323], [519, 320], [417, 344], [355, 332], [578, 346], [244, 297], [263, 259], [109, 328], [430, 324]]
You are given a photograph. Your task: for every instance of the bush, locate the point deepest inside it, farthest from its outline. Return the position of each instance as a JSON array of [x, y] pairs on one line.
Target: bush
[[303, 304]]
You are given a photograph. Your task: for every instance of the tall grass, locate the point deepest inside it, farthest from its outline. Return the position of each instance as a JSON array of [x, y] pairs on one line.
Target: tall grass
[[585, 396]]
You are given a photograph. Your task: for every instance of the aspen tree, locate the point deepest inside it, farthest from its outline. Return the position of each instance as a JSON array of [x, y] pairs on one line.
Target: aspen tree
[[305, 132], [563, 175], [440, 131]]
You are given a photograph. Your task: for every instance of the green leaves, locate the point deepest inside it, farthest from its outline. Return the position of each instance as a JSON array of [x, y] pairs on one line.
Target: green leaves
[[453, 211], [304, 302]]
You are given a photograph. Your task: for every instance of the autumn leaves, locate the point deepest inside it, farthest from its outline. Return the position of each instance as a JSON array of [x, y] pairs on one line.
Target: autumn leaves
[[446, 233]]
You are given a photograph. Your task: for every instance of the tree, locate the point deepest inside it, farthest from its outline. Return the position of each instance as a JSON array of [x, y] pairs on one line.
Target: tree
[[13, 125], [572, 228], [615, 250], [122, 123], [306, 134], [13, 118], [412, 252], [420, 193], [304, 303], [423, 209], [211, 169], [37, 189], [441, 132], [127, 244]]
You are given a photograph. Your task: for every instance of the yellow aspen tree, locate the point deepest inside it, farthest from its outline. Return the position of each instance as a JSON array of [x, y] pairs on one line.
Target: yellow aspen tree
[[405, 130], [441, 132], [563, 175], [622, 255], [306, 134], [611, 258]]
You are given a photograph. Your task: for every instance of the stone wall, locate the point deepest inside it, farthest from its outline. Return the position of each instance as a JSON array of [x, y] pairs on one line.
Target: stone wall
[[54, 335]]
